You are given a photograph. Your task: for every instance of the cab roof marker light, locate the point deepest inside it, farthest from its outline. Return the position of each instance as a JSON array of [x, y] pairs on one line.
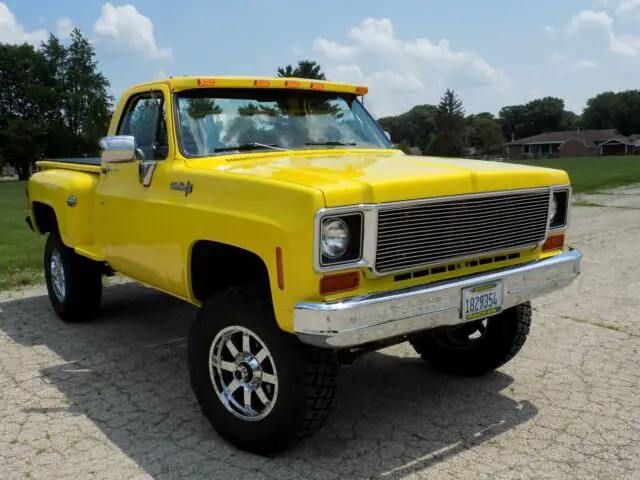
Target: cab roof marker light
[[291, 84], [362, 90], [317, 86], [262, 83], [206, 82]]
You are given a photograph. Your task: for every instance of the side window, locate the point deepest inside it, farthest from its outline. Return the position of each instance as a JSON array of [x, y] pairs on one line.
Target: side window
[[145, 120]]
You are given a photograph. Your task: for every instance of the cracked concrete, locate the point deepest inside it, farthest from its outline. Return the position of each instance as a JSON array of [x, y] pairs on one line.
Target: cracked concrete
[[110, 399]]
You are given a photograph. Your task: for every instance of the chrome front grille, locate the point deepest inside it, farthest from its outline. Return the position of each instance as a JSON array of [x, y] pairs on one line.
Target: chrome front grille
[[416, 234]]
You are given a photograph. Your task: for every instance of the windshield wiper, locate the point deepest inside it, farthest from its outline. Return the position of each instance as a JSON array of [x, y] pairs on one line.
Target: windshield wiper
[[339, 144], [249, 146]]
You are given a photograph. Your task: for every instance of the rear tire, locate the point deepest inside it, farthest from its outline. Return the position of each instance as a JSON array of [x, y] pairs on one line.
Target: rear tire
[[288, 386], [452, 350], [74, 283]]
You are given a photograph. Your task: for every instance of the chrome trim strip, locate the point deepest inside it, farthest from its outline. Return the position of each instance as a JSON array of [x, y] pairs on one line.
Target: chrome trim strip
[[560, 188], [393, 314]]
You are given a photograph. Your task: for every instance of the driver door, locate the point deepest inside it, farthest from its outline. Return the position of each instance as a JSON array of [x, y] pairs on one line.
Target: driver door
[[133, 194]]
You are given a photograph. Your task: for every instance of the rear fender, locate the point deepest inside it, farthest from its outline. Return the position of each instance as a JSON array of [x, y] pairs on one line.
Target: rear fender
[[71, 195]]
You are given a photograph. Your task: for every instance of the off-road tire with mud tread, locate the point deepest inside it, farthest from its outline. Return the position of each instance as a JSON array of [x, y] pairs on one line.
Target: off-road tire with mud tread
[[505, 336], [306, 375], [83, 282]]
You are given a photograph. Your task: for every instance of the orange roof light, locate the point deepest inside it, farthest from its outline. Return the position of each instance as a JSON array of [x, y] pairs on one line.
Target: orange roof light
[[362, 90], [262, 83], [206, 82], [291, 84], [317, 86]]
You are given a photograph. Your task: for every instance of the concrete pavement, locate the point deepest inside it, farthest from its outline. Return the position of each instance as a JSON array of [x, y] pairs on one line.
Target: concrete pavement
[[110, 399]]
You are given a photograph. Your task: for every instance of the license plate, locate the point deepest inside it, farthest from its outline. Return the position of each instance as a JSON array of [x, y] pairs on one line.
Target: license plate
[[481, 301]]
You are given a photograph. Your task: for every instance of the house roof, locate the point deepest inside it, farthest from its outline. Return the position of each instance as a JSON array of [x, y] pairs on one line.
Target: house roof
[[587, 136]]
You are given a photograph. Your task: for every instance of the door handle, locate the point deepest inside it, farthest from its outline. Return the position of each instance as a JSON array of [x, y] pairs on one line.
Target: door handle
[[105, 170]]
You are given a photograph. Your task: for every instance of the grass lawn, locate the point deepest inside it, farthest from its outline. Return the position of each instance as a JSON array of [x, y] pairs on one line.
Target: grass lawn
[[20, 248], [594, 173]]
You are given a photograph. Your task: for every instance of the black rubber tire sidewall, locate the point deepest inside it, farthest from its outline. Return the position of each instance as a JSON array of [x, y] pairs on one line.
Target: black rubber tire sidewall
[[506, 335], [249, 308], [83, 282]]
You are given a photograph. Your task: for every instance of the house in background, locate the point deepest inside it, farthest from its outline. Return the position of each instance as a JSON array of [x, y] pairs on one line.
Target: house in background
[[574, 143]]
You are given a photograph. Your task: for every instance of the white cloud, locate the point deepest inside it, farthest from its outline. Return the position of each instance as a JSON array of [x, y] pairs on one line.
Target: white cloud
[[333, 50], [589, 20], [402, 72], [628, 6], [64, 26], [549, 30], [130, 29], [563, 66], [12, 32], [626, 45]]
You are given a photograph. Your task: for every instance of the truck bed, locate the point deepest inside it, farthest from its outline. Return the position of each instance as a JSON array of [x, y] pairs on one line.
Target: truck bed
[[81, 164]]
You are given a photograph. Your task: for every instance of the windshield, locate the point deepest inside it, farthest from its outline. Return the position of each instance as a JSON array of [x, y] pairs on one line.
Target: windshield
[[213, 122]]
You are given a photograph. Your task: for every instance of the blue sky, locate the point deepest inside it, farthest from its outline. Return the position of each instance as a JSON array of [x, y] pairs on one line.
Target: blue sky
[[493, 53]]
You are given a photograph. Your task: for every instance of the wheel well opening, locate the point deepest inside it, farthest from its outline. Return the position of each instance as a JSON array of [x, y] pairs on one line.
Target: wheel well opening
[[45, 217], [215, 266]]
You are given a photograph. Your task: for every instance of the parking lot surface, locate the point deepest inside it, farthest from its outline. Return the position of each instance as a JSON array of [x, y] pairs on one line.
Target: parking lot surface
[[111, 399]]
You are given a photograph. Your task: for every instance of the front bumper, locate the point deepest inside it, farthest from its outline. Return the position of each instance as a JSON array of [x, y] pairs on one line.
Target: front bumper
[[386, 315]]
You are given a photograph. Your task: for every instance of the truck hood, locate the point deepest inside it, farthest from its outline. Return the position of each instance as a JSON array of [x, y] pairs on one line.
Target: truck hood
[[350, 178]]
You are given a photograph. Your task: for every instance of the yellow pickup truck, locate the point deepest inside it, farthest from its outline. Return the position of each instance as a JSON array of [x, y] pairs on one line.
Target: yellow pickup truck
[[282, 209]]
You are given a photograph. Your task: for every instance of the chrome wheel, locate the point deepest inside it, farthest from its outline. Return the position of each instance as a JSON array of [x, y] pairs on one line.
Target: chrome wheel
[[57, 276], [243, 373]]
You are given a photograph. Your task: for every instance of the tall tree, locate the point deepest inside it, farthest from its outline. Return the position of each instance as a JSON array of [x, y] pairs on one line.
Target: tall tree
[[485, 133], [83, 97], [450, 124], [27, 105], [304, 69], [416, 127]]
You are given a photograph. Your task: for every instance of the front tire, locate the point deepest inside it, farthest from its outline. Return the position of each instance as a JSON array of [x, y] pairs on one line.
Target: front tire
[[74, 283], [479, 347], [260, 388]]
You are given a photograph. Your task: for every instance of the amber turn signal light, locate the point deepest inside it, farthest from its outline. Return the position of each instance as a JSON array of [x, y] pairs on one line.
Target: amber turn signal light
[[339, 283], [555, 242]]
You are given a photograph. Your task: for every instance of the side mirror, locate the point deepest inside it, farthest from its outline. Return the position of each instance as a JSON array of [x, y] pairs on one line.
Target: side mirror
[[118, 149], [388, 135]]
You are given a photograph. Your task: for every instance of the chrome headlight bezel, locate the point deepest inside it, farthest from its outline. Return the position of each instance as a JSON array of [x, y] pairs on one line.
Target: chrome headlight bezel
[[558, 218]]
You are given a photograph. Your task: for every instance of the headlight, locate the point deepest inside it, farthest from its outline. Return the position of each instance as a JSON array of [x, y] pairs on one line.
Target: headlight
[[559, 209], [340, 240], [335, 238]]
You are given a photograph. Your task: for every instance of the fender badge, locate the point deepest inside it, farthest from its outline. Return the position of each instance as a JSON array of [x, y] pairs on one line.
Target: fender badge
[[72, 200], [187, 188]]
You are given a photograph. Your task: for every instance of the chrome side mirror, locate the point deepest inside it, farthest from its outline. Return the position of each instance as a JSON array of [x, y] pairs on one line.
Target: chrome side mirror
[[118, 149]]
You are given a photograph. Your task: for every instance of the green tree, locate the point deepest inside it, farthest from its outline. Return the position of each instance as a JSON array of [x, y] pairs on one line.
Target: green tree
[[416, 127], [617, 110], [600, 110], [82, 93], [546, 114], [27, 105], [449, 140], [305, 69], [484, 132]]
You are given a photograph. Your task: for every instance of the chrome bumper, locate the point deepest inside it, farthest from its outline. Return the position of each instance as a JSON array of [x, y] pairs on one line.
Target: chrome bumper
[[360, 320]]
